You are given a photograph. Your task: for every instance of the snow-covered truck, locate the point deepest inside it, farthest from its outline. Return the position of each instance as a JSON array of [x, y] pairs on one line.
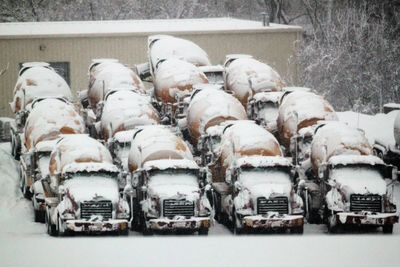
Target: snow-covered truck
[[173, 82], [123, 112], [49, 118], [299, 113], [81, 192], [106, 76], [35, 80], [252, 182], [257, 86], [388, 149], [210, 107], [356, 187], [170, 187]]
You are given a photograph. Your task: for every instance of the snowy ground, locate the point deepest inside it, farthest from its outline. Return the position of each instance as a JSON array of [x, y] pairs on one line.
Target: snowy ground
[[25, 243]]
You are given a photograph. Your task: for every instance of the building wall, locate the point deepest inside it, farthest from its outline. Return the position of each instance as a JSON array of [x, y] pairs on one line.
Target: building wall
[[274, 48]]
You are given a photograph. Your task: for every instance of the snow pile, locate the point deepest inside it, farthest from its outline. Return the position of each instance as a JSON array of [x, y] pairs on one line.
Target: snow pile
[[176, 77], [299, 110], [337, 138], [245, 138], [162, 47], [108, 76], [377, 127], [262, 161], [78, 149], [49, 119], [211, 107], [155, 142], [124, 110], [246, 77], [164, 164], [38, 81], [350, 159]]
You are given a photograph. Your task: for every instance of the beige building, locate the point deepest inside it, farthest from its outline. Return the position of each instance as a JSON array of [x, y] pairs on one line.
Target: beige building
[[70, 46]]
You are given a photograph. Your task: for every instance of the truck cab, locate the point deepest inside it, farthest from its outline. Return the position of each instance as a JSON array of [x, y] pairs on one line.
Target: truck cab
[[356, 192], [257, 195], [171, 195]]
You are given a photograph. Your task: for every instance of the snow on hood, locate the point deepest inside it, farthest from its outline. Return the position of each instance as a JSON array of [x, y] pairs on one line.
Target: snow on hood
[[92, 188], [359, 180], [299, 110], [111, 76], [266, 183], [89, 167], [211, 107], [124, 136], [248, 76], [49, 119], [349, 159], [337, 138], [46, 146], [273, 97], [125, 110], [164, 164], [169, 185], [77, 148], [174, 77], [38, 81], [155, 142], [163, 47]]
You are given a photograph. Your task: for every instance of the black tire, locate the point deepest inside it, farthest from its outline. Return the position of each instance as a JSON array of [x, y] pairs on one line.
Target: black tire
[[299, 230], [40, 216], [237, 229], [387, 229], [145, 231], [203, 231], [51, 228], [124, 232], [332, 226]]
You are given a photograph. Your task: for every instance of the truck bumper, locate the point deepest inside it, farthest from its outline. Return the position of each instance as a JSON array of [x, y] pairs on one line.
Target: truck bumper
[[88, 226], [193, 223], [281, 221], [366, 218]]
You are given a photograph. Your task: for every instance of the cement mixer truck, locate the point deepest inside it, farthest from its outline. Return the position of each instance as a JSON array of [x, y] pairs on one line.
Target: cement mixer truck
[[168, 187], [81, 192], [356, 187], [42, 130], [299, 113], [35, 80], [210, 107], [253, 185]]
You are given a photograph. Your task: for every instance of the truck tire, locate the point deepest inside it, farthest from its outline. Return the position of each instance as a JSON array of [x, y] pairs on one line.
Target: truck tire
[[40, 216], [297, 230], [238, 228], [332, 224], [51, 228], [387, 228], [203, 231], [145, 231]]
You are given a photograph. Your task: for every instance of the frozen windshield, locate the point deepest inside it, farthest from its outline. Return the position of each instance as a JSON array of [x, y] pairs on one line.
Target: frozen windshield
[[252, 177], [268, 111], [122, 151], [363, 173], [173, 177], [214, 77]]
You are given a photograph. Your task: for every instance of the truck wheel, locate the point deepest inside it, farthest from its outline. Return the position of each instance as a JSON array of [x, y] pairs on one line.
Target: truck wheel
[[39, 216], [203, 231], [51, 228], [124, 232], [332, 224], [238, 228], [387, 229], [297, 230], [145, 231]]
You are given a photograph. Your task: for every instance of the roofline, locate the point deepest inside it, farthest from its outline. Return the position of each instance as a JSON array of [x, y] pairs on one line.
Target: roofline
[[266, 29]]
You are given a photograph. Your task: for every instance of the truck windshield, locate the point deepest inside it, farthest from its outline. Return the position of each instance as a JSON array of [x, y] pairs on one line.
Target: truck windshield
[[268, 111], [173, 177], [122, 150], [215, 77], [251, 177], [348, 173]]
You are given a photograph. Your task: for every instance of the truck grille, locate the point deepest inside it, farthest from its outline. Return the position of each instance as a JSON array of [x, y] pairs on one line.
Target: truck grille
[[177, 207], [101, 209], [371, 203], [277, 204]]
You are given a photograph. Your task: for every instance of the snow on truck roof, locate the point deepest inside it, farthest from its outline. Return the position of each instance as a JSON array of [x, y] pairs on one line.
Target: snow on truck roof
[[164, 164], [355, 159], [135, 27], [263, 161]]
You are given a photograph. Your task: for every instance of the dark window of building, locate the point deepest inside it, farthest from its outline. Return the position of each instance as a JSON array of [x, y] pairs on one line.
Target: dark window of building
[[61, 68]]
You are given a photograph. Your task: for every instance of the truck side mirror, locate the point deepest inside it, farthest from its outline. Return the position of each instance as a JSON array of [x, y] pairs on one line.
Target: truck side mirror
[[238, 186], [61, 190], [143, 188], [321, 171], [228, 176], [135, 179]]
